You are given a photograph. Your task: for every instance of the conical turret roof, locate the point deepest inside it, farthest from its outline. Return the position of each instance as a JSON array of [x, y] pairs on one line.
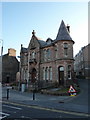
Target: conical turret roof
[[63, 33]]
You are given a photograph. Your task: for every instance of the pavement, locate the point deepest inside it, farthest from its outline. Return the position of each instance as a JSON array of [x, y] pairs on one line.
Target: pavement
[[65, 103]]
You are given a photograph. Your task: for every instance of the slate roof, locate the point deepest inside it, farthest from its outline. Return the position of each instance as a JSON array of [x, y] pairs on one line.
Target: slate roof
[[42, 43], [24, 50], [63, 33]]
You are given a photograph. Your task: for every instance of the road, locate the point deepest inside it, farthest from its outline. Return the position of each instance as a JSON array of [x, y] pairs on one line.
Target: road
[[83, 97], [15, 110], [21, 105]]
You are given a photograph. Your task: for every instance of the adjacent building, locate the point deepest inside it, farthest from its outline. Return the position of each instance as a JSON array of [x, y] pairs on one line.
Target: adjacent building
[[82, 63], [49, 62], [0, 69], [10, 66]]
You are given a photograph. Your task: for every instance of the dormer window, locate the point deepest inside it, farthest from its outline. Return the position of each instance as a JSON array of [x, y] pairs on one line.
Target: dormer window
[[49, 41]]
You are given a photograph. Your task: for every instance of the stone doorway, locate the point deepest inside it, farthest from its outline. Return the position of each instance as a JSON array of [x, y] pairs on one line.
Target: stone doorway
[[7, 79], [61, 75], [33, 75]]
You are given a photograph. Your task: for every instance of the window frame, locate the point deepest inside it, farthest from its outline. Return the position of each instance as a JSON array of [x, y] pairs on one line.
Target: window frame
[[69, 72], [50, 73], [33, 55]]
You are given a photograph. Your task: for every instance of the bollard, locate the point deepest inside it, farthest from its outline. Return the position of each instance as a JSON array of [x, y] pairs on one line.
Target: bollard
[[33, 95], [7, 94]]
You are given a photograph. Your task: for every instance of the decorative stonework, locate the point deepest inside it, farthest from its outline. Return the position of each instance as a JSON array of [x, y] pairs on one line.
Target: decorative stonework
[[50, 55]]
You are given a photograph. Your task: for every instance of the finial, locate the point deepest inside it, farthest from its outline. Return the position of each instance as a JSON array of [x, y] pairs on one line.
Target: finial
[[33, 33]]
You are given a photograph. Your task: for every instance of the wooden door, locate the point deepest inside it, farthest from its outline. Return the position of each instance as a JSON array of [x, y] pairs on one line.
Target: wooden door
[[61, 75], [33, 75]]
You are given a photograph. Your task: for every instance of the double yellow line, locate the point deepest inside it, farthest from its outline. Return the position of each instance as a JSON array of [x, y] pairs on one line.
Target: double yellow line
[[48, 109]]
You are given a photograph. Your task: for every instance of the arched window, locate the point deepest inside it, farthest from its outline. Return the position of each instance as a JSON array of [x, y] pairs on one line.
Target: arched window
[[50, 70], [46, 73], [69, 71], [61, 68], [61, 75], [43, 73]]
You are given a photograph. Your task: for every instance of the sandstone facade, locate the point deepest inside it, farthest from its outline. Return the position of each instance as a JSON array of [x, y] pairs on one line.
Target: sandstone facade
[[48, 62]]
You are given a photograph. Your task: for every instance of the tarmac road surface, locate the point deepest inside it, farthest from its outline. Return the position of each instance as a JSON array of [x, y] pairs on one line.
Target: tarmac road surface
[[14, 110]]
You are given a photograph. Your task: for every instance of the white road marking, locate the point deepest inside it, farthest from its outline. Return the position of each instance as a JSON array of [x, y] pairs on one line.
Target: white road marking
[[5, 115], [28, 117], [13, 107], [49, 109]]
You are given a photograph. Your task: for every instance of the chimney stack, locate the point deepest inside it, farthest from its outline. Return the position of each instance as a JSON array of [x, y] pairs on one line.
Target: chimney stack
[[68, 28], [12, 52]]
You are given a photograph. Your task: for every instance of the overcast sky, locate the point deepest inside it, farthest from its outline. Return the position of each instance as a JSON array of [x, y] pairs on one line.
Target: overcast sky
[[19, 19]]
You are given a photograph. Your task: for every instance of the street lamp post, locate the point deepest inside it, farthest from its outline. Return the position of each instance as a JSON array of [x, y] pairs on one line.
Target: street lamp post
[[19, 86], [1, 41], [34, 89]]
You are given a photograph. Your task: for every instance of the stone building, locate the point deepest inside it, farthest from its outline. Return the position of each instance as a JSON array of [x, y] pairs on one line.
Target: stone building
[[82, 63], [10, 66], [0, 69], [49, 62]]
